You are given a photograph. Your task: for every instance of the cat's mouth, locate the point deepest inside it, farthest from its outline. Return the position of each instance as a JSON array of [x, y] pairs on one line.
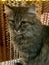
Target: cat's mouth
[[19, 62]]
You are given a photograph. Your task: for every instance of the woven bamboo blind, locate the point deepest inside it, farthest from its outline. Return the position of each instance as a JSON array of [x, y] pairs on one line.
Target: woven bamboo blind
[[4, 36], [46, 6]]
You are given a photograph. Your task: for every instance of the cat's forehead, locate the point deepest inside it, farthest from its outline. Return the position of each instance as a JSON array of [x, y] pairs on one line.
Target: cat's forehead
[[28, 17]]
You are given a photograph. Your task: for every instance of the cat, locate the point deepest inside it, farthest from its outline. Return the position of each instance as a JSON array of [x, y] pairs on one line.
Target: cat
[[29, 36]]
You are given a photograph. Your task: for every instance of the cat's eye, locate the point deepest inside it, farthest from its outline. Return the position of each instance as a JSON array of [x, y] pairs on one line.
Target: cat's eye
[[23, 22], [27, 22]]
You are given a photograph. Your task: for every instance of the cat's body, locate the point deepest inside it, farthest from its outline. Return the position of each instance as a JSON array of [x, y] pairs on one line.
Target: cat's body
[[28, 36]]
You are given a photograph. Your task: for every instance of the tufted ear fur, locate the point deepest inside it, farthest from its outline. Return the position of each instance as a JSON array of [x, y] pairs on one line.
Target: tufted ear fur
[[32, 9]]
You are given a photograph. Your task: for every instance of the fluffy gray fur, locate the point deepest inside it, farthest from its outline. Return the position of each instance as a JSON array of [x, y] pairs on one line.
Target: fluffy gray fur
[[29, 36]]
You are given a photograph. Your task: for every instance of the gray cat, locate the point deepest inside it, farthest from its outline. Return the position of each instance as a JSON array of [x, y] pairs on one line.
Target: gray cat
[[30, 36]]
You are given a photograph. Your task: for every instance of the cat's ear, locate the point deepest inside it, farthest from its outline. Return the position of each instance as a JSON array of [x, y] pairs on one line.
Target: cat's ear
[[32, 9], [8, 10], [10, 7]]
